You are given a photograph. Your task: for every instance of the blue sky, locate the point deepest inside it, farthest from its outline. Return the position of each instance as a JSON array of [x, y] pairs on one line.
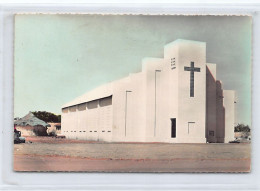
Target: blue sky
[[60, 57]]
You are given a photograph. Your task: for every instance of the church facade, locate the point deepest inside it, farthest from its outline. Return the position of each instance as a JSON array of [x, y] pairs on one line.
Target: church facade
[[175, 99]]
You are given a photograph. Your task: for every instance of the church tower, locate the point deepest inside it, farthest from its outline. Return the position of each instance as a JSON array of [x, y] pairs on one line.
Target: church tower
[[187, 62]]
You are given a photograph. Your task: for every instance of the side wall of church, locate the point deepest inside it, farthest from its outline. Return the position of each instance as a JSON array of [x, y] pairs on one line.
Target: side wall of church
[[119, 109], [229, 105], [220, 113], [88, 121], [211, 121], [129, 109], [137, 108], [154, 91]]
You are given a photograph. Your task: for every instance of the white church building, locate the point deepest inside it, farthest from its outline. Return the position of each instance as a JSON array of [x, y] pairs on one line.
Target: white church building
[[175, 99]]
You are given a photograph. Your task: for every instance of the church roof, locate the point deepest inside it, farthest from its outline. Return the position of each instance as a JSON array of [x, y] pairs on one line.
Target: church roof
[[30, 120], [98, 93]]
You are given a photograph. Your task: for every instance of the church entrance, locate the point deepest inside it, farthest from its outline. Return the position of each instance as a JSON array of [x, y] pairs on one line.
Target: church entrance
[[173, 128]]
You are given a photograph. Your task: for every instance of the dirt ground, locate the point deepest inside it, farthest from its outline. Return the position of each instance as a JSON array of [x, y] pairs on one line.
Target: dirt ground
[[55, 154]]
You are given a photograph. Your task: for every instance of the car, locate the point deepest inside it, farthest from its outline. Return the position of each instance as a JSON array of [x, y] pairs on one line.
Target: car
[[17, 137], [235, 141]]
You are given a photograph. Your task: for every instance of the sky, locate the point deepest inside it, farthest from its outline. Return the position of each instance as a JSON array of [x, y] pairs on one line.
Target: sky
[[60, 57]]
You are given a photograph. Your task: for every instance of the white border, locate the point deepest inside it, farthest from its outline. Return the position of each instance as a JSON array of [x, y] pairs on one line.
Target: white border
[[10, 180]]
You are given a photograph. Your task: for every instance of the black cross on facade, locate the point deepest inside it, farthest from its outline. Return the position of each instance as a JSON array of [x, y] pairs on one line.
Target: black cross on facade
[[192, 69]]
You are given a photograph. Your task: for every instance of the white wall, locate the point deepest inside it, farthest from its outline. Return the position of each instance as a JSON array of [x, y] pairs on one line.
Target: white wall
[[171, 56], [152, 101], [119, 107], [91, 121], [191, 109], [229, 105], [211, 120], [220, 110]]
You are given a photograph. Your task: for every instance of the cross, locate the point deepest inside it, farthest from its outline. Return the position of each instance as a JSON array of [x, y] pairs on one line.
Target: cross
[[192, 69]]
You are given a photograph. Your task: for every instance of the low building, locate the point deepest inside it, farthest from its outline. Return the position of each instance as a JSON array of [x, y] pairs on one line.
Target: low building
[[54, 129], [30, 125]]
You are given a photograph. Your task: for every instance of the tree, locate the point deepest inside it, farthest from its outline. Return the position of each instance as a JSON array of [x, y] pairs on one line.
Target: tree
[[242, 128], [47, 116]]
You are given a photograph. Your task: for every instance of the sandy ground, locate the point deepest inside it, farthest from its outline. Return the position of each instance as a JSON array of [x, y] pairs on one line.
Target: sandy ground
[[52, 154]]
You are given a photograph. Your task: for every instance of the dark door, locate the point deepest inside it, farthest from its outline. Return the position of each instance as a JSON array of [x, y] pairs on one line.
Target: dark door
[[173, 127]]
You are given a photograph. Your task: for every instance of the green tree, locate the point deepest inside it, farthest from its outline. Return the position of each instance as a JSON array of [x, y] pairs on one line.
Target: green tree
[[242, 128], [47, 116]]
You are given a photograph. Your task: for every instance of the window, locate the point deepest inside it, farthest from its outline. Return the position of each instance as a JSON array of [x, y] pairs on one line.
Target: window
[[72, 108], [82, 107], [173, 66], [92, 104], [65, 110], [105, 101]]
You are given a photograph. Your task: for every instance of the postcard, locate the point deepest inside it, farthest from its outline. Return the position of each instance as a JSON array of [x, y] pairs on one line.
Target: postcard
[[132, 93]]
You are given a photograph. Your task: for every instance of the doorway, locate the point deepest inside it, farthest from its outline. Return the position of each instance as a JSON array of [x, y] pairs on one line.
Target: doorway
[[173, 128]]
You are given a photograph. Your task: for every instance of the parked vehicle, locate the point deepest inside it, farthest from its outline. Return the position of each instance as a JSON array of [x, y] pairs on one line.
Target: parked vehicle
[[17, 137], [235, 141]]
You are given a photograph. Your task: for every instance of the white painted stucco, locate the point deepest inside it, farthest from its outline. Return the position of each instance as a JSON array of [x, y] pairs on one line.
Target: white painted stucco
[[229, 105], [144, 106]]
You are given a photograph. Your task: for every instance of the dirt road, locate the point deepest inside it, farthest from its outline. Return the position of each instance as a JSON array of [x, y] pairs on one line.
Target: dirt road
[[63, 155]]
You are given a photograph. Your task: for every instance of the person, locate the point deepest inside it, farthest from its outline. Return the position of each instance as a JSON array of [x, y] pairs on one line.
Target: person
[[15, 130]]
